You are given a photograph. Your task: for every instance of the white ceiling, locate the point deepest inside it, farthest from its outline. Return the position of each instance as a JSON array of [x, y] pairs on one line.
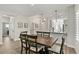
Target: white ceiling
[[30, 10]]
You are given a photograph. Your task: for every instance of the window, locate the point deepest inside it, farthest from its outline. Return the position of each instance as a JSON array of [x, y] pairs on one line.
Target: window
[[25, 25], [58, 25]]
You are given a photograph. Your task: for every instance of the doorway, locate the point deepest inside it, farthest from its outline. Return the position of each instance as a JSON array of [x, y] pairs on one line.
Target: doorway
[[5, 28]]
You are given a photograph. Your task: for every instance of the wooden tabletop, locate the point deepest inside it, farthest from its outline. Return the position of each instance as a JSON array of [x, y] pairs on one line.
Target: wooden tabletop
[[45, 41]]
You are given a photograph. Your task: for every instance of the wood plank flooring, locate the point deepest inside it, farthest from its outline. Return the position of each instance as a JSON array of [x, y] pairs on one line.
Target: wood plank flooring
[[13, 47]]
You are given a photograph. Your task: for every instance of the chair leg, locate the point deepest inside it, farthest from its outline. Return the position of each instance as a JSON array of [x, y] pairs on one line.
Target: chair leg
[[41, 51], [62, 52], [29, 49], [26, 50], [21, 49]]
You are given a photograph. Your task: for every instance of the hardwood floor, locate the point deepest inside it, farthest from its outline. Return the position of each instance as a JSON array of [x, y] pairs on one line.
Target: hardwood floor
[[13, 47], [69, 50], [9, 46]]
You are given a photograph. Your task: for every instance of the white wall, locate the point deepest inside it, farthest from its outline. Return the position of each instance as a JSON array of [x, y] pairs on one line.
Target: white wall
[[77, 28], [70, 28], [42, 26], [23, 20]]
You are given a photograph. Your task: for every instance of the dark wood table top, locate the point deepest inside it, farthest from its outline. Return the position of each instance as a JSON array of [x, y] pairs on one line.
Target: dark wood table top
[[45, 41]]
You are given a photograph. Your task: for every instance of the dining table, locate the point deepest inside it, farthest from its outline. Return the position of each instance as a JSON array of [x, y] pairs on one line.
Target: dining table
[[48, 42]]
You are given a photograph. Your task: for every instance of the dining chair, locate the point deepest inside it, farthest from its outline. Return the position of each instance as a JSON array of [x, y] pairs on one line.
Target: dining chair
[[46, 34], [57, 49], [24, 32], [23, 43], [33, 46], [39, 33], [43, 34]]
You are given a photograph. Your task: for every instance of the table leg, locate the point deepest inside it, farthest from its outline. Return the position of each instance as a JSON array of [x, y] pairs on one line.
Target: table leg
[[46, 50]]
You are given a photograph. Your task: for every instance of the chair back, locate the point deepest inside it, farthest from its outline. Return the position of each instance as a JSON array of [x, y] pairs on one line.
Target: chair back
[[23, 37], [24, 32], [43, 34], [46, 34], [32, 41], [39, 33]]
